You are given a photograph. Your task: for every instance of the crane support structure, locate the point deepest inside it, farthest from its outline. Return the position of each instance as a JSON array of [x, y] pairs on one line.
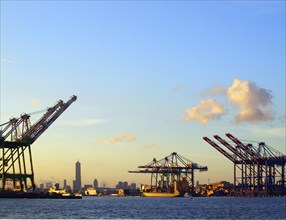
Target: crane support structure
[[172, 168], [16, 138], [258, 170]]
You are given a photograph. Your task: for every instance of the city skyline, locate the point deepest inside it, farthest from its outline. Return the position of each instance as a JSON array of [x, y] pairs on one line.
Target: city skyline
[[77, 184], [151, 78]]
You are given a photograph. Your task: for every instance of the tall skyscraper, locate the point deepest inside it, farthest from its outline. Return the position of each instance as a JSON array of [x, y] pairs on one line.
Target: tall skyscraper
[[77, 182]]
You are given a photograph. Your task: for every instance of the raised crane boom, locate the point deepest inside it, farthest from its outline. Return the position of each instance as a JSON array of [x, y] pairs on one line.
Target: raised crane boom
[[20, 129], [247, 149], [46, 120]]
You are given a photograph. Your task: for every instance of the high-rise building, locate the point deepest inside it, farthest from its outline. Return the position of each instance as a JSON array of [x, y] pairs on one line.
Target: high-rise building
[[65, 184], [95, 184], [77, 182]]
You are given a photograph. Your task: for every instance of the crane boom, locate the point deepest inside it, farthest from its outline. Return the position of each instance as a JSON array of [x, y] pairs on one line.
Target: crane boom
[[229, 156], [232, 149], [47, 119], [252, 154]]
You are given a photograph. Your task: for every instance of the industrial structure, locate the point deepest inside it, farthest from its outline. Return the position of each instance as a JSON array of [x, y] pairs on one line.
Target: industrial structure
[[171, 170], [16, 138], [258, 170]]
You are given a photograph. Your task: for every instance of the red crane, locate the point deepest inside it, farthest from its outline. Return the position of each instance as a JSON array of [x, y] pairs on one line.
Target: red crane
[[229, 156], [261, 169], [254, 155]]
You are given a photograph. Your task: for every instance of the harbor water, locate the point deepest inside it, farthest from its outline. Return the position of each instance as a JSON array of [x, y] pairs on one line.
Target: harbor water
[[145, 208]]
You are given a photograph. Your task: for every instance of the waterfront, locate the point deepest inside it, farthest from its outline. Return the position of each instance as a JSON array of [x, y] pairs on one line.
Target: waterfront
[[146, 208]]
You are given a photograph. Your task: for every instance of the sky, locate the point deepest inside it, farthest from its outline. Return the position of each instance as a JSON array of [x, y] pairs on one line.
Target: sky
[[151, 77]]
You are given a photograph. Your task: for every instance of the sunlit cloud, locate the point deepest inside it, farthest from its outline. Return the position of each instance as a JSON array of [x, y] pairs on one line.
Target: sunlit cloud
[[207, 110], [253, 102], [117, 139], [121, 138]]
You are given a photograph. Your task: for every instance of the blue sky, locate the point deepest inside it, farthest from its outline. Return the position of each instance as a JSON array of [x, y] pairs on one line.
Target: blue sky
[[143, 73]]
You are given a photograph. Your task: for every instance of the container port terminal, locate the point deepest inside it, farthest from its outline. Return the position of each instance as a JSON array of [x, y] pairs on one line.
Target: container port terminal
[[258, 170]]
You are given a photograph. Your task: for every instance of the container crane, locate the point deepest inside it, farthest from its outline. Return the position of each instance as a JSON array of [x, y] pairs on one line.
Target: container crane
[[172, 168], [261, 169], [16, 137]]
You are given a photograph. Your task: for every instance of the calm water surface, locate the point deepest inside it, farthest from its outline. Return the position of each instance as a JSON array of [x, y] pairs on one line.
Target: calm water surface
[[145, 208]]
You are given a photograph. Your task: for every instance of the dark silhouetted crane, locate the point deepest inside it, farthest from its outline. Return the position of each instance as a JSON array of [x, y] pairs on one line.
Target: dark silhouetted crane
[[16, 136]]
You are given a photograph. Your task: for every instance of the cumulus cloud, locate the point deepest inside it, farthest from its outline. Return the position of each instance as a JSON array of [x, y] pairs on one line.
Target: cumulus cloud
[[253, 102], [207, 110], [117, 139]]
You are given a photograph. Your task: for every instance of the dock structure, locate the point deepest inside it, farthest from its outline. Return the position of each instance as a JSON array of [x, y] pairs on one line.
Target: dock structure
[[173, 171], [259, 170], [16, 137]]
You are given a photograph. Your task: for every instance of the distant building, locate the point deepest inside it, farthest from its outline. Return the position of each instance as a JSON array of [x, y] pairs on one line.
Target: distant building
[[95, 184], [49, 185], [77, 181], [65, 184], [133, 186], [119, 185], [68, 189], [125, 185], [57, 186]]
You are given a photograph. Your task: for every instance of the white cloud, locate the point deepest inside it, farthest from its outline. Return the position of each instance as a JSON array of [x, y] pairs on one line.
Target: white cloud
[[207, 110], [253, 102]]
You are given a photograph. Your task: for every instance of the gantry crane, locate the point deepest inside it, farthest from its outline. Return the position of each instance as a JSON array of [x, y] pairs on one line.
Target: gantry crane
[[258, 170], [16, 139], [172, 168]]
